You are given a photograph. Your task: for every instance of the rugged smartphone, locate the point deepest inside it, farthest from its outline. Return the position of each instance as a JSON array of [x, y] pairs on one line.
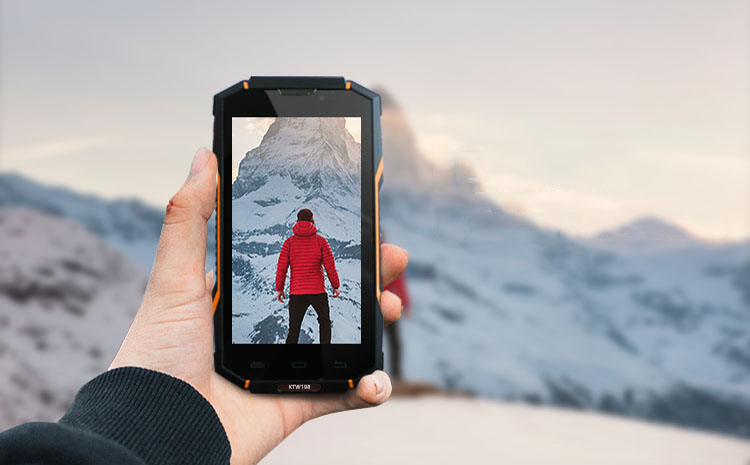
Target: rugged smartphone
[[297, 239]]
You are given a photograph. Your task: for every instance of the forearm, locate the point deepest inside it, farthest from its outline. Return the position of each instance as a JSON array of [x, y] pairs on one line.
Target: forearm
[[128, 416], [333, 277], [280, 277]]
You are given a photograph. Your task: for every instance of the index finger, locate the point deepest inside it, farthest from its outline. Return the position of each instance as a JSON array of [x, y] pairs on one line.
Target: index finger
[[393, 261]]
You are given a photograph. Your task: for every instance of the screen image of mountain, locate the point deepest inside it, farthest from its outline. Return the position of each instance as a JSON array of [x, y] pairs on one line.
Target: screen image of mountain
[[280, 166]]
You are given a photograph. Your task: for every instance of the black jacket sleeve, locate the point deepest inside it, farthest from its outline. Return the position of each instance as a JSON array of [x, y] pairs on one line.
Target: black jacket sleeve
[[125, 416]]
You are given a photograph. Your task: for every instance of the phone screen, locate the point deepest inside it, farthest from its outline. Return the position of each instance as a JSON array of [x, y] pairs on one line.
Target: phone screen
[[296, 219]]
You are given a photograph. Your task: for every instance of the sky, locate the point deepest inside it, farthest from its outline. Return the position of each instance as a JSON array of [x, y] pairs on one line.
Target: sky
[[582, 115]]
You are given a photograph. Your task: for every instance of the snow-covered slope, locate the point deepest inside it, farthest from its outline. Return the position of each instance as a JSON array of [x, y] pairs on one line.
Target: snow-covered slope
[[300, 163], [128, 224], [447, 431], [505, 309], [66, 301]]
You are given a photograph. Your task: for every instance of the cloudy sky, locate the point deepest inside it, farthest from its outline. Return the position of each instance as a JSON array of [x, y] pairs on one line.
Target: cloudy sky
[[580, 114]]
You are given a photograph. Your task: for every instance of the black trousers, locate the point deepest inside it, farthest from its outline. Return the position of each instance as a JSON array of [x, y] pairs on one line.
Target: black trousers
[[394, 346], [298, 304]]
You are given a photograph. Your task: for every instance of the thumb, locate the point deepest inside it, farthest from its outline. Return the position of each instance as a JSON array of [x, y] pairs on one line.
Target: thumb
[[178, 274]]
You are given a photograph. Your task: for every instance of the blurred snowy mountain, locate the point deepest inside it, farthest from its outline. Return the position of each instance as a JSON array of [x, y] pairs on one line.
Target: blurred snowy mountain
[[300, 163], [66, 300], [505, 309], [127, 224]]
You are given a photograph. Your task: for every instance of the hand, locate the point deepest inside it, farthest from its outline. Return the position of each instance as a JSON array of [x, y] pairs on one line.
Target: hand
[[173, 329], [280, 296], [336, 293]]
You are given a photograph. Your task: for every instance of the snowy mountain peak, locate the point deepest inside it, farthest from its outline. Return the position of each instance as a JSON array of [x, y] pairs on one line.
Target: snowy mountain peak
[[408, 168], [313, 152], [291, 129], [308, 123], [646, 233]]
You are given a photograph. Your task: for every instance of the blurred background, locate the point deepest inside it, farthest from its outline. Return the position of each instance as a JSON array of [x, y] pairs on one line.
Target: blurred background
[[571, 179]]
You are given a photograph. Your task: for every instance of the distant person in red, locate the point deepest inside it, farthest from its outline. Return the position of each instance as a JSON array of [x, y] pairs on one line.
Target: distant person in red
[[307, 254], [398, 287]]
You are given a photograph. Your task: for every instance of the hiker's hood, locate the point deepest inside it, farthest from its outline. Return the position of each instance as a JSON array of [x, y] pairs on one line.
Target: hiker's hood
[[304, 228]]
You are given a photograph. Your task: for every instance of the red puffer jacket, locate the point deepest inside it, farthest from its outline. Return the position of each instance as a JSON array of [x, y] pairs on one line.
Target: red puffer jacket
[[307, 254]]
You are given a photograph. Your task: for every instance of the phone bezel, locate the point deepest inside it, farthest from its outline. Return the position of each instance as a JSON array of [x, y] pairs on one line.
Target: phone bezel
[[322, 362]]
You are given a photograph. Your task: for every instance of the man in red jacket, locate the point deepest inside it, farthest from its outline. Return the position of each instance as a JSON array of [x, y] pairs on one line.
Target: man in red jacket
[[306, 253]]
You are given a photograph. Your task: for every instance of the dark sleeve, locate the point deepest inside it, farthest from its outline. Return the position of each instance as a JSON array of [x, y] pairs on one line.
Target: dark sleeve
[[125, 416]]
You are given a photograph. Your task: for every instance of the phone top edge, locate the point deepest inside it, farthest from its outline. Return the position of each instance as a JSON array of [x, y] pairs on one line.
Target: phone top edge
[[297, 82]]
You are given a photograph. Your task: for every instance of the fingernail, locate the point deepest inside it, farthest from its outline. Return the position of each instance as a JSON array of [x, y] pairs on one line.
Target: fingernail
[[199, 161], [379, 378]]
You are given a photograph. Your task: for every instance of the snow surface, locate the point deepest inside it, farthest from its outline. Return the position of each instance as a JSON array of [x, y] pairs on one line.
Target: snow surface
[[439, 430], [300, 163]]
